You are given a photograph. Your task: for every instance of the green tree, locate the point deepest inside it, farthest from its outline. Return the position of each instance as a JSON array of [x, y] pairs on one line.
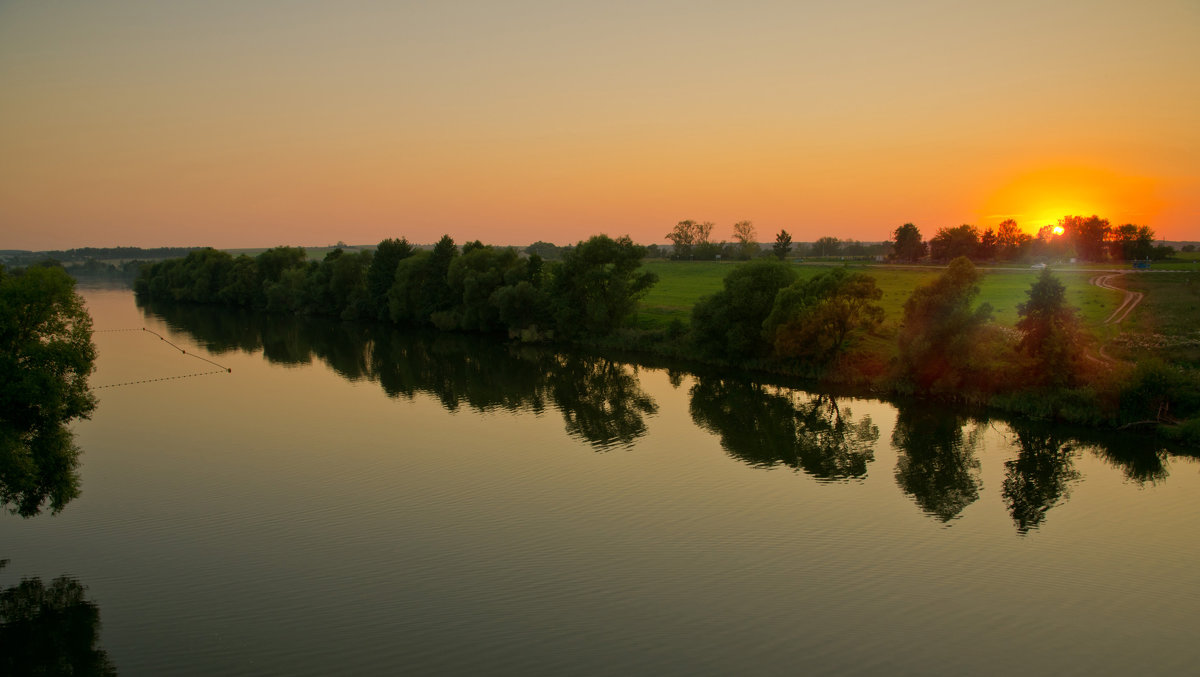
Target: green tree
[[474, 278], [1050, 332], [812, 318], [907, 244], [596, 287], [743, 232], [382, 273], [729, 324], [683, 237], [46, 355], [783, 245], [546, 250], [940, 328]]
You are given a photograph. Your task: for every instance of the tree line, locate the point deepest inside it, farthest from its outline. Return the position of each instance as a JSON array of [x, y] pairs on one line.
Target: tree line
[[1086, 238], [692, 241], [592, 290]]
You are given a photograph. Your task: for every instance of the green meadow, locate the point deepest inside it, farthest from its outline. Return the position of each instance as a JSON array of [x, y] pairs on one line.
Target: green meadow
[[682, 284]]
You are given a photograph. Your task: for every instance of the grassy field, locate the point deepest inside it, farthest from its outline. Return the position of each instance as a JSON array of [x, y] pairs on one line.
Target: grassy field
[[1167, 323], [681, 284]]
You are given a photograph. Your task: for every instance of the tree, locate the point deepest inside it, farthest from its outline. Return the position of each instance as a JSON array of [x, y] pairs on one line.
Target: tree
[[597, 285], [46, 355], [783, 245], [743, 232], [729, 324], [1131, 243], [939, 328], [907, 244], [812, 318], [683, 237], [1009, 238], [827, 246], [987, 245], [1050, 332], [382, 272], [1088, 235], [951, 243], [546, 250]]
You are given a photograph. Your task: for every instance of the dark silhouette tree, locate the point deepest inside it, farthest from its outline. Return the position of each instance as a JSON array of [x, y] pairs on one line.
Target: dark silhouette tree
[[827, 246], [936, 464], [1009, 240], [1039, 477], [1089, 235], [683, 237], [783, 245], [907, 244], [50, 630], [1131, 243], [743, 232], [765, 427], [951, 243]]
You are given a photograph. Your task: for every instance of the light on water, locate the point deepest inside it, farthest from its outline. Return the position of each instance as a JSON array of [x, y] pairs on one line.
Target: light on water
[[351, 500]]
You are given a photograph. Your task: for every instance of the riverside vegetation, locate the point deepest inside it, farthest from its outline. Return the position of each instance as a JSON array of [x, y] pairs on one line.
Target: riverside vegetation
[[830, 325]]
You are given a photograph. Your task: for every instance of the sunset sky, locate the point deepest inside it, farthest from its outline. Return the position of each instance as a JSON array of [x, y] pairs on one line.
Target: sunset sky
[[245, 124]]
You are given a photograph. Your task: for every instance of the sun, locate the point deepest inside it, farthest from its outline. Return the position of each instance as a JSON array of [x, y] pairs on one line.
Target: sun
[[1041, 197], [1057, 230]]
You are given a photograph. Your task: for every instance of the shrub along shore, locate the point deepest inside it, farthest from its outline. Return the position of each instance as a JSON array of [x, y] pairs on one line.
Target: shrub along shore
[[828, 326]]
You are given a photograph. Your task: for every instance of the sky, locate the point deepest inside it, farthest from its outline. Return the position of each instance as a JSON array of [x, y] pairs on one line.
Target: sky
[[254, 124]]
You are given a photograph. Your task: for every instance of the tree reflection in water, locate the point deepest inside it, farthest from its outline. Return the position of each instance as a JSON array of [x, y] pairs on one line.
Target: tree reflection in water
[[50, 630], [603, 403], [765, 426], [37, 468], [936, 464], [601, 400], [1040, 476]]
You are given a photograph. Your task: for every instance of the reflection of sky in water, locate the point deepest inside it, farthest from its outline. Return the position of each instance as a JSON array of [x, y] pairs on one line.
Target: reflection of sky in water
[[293, 521]]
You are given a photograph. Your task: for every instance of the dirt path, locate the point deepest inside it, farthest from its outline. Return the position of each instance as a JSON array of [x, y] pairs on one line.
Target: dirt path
[[1131, 300]]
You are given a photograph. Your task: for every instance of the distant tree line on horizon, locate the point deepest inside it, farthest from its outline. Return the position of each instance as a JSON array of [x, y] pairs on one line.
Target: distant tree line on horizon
[[1085, 238]]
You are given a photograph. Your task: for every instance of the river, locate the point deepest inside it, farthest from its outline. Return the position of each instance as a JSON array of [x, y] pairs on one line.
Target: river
[[314, 497]]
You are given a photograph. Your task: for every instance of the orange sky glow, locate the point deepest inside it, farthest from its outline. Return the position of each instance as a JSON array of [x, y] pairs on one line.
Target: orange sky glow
[[238, 124]]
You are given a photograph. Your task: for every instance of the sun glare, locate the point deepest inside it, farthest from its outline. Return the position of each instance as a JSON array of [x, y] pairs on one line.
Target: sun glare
[[1057, 230], [1041, 198]]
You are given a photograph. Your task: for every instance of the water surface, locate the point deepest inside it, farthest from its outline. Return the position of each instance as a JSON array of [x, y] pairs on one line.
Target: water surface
[[354, 500]]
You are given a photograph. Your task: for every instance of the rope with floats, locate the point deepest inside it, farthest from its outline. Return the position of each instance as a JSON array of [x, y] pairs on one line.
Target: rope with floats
[[222, 369]]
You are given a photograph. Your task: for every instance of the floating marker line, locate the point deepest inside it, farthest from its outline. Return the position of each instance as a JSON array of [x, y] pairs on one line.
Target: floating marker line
[[152, 380], [223, 368], [164, 339]]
